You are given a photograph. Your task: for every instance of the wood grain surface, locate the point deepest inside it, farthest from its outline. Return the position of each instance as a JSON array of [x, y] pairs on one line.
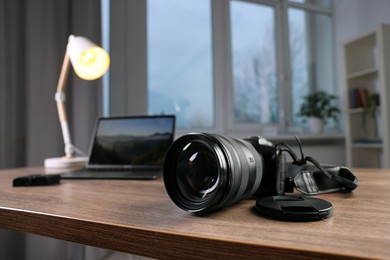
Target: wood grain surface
[[138, 217]]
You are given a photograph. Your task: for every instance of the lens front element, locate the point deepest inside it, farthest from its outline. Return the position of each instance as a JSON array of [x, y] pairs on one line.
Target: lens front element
[[197, 171]]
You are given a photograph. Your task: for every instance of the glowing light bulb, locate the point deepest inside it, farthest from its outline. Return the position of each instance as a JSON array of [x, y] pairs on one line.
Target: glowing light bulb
[[88, 57]]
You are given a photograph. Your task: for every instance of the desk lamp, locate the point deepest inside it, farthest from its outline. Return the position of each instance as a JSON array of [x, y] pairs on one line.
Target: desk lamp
[[89, 62]]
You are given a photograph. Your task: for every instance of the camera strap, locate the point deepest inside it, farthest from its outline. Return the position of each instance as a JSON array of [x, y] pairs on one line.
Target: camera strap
[[310, 180], [310, 177]]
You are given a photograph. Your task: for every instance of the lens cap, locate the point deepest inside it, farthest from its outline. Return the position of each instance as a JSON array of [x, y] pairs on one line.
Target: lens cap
[[294, 208]]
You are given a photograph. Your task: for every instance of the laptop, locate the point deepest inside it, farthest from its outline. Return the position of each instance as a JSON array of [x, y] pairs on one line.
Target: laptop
[[127, 148]]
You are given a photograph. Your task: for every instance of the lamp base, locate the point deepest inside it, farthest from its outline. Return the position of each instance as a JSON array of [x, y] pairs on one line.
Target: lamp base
[[65, 162]]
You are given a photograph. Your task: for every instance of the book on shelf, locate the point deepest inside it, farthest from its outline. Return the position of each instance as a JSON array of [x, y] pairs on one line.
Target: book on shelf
[[358, 97]]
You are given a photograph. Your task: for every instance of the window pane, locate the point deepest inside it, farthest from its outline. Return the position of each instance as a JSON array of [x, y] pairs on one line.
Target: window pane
[[254, 63], [180, 79], [311, 47]]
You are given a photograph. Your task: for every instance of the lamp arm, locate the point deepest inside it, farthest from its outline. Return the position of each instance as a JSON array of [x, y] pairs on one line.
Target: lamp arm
[[60, 100]]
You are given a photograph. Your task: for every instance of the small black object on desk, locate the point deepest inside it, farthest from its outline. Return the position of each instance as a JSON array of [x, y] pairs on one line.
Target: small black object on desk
[[36, 180]]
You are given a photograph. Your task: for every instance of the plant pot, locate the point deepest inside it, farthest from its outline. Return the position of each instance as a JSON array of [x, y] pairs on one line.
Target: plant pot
[[316, 125]]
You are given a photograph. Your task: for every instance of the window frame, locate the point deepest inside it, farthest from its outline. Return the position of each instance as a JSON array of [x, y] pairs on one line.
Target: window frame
[[131, 73]]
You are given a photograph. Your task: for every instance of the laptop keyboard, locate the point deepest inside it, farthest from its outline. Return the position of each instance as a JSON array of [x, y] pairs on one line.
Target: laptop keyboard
[[113, 174]]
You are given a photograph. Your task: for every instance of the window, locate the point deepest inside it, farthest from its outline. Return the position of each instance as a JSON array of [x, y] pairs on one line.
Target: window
[[233, 65], [311, 54], [180, 73], [255, 93]]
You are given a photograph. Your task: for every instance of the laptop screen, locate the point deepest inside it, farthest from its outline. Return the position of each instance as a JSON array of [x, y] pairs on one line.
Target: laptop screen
[[125, 142]]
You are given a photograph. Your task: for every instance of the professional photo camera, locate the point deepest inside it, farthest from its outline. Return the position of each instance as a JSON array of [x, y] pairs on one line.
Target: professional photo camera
[[205, 172]]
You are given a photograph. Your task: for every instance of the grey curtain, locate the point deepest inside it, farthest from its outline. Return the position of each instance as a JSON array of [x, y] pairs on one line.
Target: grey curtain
[[12, 84], [33, 38]]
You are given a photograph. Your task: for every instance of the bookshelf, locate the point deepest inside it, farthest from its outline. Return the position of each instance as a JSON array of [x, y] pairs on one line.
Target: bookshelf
[[367, 81]]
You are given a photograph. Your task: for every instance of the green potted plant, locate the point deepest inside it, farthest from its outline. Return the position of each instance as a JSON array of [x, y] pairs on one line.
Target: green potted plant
[[318, 108]]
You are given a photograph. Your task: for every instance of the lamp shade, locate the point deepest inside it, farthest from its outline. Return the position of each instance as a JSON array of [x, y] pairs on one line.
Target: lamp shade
[[88, 60]]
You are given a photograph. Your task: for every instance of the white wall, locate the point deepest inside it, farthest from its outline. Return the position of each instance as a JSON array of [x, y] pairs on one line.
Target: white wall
[[352, 19]]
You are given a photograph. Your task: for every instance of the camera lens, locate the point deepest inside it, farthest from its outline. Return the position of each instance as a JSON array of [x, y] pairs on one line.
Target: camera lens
[[203, 172], [197, 171]]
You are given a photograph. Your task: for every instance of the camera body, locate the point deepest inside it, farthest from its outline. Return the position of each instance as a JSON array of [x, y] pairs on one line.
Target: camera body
[[274, 173], [204, 172]]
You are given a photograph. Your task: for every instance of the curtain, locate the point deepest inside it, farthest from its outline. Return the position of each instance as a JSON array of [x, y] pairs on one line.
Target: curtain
[[12, 84], [33, 38]]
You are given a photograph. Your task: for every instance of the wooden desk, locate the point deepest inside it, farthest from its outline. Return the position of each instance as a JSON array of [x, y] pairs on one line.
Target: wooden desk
[[138, 217]]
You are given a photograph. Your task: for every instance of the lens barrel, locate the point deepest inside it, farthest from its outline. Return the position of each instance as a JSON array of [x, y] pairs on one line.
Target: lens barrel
[[204, 172]]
